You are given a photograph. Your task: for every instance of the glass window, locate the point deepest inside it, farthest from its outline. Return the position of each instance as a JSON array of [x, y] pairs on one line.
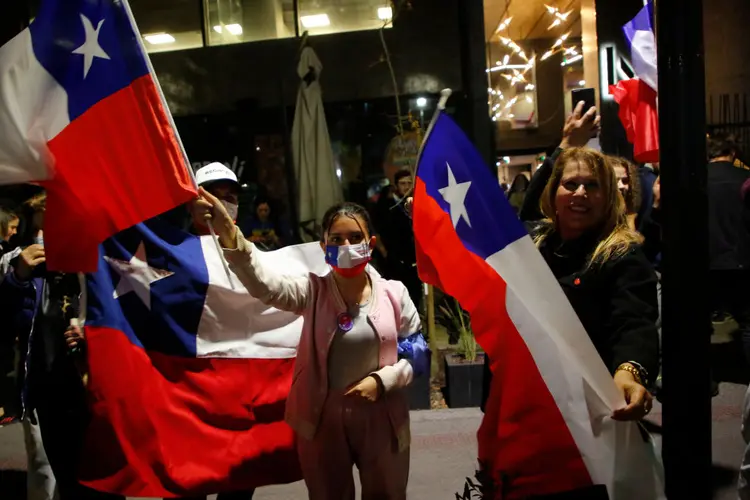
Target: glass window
[[237, 21], [168, 24], [512, 90], [320, 17]]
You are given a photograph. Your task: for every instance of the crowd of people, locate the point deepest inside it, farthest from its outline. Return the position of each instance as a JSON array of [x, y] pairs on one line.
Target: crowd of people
[[594, 218]]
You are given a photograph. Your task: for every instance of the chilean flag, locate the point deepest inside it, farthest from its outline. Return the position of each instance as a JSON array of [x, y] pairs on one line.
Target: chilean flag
[[637, 96], [188, 374], [546, 428], [81, 113]]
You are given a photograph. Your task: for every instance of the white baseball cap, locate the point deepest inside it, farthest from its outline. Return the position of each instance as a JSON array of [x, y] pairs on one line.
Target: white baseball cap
[[215, 172]]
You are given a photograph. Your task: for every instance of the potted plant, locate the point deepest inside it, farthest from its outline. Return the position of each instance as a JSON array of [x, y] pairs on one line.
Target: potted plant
[[464, 367]]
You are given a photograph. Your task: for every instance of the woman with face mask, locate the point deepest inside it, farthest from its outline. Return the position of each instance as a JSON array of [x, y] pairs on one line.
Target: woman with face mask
[[360, 348]]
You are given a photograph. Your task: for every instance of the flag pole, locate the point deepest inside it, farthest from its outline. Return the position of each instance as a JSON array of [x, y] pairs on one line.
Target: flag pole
[[185, 158], [430, 292]]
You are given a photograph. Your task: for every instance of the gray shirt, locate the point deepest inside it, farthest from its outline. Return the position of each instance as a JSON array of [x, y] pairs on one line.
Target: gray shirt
[[353, 354]]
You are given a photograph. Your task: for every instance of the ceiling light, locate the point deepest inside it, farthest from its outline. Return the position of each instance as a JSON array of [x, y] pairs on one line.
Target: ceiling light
[[421, 102], [582, 83], [546, 55], [385, 13], [528, 98], [159, 38], [562, 17], [234, 29], [530, 86], [571, 60], [555, 23], [506, 59], [315, 21], [551, 10]]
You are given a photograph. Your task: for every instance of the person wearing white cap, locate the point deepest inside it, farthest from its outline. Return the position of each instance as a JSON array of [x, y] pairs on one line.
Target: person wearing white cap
[[221, 182]]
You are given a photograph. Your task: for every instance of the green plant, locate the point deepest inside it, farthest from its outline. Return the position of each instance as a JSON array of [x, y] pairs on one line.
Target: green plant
[[461, 322]]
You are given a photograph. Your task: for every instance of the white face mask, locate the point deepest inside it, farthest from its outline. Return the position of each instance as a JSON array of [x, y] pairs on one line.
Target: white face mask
[[232, 209]]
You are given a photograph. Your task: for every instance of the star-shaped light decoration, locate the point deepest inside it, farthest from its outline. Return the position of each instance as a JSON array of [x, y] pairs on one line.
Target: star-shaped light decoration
[[90, 47], [454, 195], [136, 276]]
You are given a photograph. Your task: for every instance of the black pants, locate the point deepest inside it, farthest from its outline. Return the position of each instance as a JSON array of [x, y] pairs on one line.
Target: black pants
[[63, 417], [730, 292], [407, 274]]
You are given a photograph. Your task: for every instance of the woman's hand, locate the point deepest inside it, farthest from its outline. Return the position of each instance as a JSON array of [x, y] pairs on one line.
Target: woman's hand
[[638, 399], [580, 128], [74, 336], [368, 388], [211, 209]]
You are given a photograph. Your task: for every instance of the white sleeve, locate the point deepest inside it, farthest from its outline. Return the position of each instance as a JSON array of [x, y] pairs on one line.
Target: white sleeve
[[287, 293]]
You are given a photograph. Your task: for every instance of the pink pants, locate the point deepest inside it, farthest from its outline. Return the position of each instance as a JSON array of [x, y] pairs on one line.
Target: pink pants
[[354, 431]]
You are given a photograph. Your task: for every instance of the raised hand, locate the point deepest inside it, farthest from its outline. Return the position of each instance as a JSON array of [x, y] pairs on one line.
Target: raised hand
[[580, 128], [212, 209]]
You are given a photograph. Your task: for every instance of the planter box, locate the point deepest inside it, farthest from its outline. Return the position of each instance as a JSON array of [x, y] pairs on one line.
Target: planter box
[[419, 391], [463, 381]]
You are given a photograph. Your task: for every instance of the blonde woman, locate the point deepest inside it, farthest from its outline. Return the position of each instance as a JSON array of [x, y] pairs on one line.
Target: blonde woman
[[587, 242], [629, 186]]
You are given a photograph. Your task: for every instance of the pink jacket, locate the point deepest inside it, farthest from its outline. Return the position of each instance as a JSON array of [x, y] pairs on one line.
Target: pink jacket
[[392, 315]]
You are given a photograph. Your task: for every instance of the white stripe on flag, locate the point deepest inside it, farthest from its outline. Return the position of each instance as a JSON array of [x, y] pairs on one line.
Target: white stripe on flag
[[33, 110], [236, 325], [567, 360]]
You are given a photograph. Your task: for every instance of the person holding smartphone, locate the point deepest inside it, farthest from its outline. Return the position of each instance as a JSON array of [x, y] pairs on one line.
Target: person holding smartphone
[[36, 307]]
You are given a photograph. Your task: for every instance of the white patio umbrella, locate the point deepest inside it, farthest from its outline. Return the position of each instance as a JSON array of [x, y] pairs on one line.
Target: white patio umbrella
[[318, 185]]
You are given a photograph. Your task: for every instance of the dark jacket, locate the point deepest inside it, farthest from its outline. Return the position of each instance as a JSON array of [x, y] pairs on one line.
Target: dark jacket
[[33, 313], [615, 301], [728, 234]]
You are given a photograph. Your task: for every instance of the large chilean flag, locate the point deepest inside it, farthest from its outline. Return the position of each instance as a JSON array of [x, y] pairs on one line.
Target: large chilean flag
[[188, 374], [82, 114], [546, 428]]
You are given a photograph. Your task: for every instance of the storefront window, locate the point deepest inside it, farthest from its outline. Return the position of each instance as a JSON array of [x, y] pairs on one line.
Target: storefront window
[[168, 24], [512, 90], [237, 21], [320, 17]]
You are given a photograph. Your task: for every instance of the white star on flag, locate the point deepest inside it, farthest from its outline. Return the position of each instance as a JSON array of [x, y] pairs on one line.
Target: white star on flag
[[136, 276], [454, 195], [90, 47]]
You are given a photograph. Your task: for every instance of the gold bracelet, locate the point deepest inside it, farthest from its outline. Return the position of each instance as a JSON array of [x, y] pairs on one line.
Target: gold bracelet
[[627, 367]]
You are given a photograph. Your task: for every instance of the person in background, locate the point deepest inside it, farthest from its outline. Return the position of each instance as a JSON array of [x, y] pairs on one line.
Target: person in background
[[360, 347], [8, 228], [728, 235], [261, 230], [517, 191], [628, 183], [647, 176], [37, 307], [398, 239], [220, 181]]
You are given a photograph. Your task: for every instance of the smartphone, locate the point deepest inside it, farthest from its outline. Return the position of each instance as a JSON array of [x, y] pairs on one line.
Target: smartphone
[[588, 96]]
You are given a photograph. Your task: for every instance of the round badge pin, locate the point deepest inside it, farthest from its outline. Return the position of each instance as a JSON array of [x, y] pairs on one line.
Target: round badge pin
[[346, 322]]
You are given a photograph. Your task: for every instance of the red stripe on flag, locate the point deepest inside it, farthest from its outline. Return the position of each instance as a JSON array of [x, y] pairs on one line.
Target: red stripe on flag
[[165, 426], [116, 165], [523, 440]]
